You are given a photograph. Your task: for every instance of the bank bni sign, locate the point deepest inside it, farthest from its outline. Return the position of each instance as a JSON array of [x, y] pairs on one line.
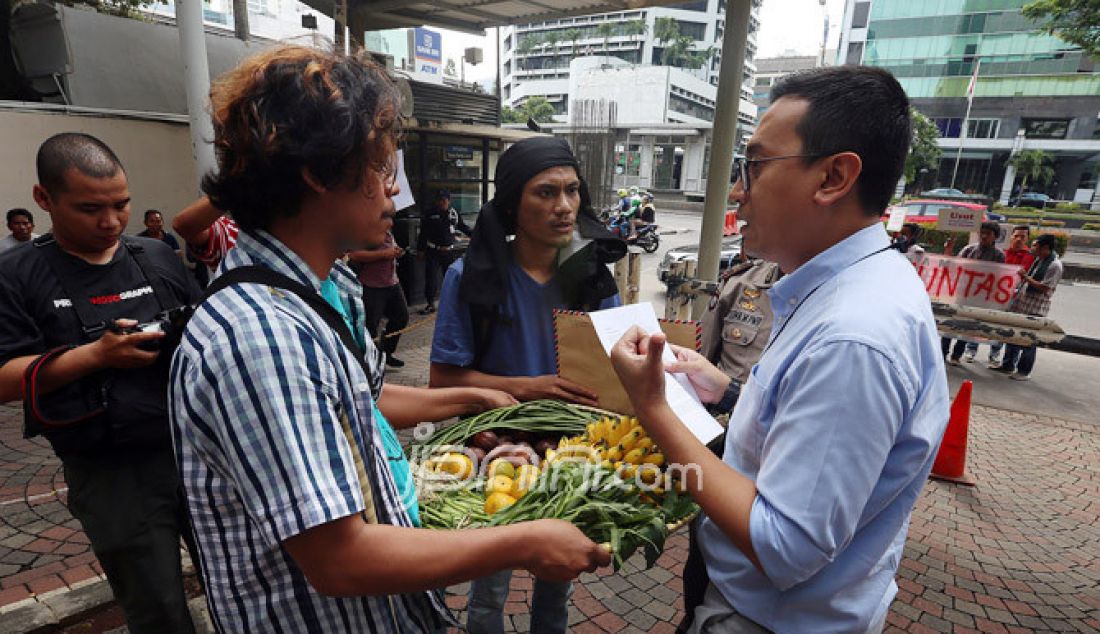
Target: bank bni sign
[[428, 55]]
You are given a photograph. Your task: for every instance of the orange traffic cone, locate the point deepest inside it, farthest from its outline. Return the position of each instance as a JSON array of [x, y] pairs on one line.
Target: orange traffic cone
[[950, 464]]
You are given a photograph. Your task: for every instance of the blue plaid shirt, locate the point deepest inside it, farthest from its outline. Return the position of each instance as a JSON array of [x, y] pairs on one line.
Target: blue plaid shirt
[[260, 391]]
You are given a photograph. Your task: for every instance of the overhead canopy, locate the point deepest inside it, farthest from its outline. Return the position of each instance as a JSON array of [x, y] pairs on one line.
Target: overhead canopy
[[473, 16]]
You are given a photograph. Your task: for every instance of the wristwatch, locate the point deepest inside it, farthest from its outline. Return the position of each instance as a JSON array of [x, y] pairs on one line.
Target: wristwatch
[[729, 397]]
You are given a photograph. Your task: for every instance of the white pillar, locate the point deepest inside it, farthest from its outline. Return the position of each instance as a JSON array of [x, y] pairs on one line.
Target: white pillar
[[196, 79], [1006, 186], [1096, 196]]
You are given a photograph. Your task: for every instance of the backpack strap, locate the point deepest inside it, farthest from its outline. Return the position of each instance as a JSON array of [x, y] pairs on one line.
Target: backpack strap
[[263, 275], [91, 323], [165, 298]]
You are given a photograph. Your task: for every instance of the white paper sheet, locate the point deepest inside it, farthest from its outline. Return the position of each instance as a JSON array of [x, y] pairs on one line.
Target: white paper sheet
[[611, 324], [404, 198]]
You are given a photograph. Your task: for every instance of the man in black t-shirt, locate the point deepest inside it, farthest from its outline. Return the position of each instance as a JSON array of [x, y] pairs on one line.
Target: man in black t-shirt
[[118, 461]]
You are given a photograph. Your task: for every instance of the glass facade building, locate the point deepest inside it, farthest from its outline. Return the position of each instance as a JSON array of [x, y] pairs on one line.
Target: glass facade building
[[932, 47], [1033, 90]]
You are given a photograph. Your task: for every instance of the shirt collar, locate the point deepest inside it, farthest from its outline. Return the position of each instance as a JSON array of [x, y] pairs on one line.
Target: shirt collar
[[260, 247], [786, 294]]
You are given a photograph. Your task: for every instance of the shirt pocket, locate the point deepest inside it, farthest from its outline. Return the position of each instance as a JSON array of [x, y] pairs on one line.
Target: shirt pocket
[[738, 333], [747, 431]]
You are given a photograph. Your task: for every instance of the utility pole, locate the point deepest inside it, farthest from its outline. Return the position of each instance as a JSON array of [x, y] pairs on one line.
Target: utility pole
[[240, 20], [196, 79], [738, 15]]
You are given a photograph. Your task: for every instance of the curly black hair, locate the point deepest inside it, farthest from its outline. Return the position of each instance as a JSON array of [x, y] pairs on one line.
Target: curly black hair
[[293, 109]]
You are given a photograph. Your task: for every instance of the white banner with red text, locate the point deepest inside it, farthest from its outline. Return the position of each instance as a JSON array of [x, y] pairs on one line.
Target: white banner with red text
[[963, 282]]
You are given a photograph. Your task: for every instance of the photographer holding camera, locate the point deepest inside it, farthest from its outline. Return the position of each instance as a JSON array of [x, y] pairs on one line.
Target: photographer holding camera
[[86, 321]]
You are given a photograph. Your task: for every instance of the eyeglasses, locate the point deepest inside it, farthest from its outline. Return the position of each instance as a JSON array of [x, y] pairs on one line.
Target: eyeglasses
[[742, 164]]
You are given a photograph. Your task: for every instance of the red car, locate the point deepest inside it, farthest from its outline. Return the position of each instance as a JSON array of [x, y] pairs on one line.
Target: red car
[[924, 210]]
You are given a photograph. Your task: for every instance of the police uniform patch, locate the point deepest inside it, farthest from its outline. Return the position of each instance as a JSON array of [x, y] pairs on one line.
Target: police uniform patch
[[748, 305], [752, 293]]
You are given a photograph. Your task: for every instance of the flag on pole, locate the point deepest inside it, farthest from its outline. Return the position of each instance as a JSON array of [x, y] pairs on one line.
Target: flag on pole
[[973, 81]]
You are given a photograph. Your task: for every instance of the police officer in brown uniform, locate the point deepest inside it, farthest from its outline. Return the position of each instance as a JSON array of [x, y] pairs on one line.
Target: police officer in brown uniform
[[738, 320]]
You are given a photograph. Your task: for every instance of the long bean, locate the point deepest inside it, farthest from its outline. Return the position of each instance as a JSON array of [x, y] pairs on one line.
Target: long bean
[[547, 417]]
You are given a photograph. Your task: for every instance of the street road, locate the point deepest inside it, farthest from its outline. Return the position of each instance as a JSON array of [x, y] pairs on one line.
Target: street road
[[1062, 385]]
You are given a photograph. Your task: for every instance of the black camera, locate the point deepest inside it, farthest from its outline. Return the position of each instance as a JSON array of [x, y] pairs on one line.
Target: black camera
[[171, 322]]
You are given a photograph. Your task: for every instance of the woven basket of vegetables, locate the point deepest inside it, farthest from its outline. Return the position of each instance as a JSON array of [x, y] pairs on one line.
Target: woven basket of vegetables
[[546, 459]]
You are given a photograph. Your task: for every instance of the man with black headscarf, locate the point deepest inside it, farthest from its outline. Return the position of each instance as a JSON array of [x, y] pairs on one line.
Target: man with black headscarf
[[495, 324]]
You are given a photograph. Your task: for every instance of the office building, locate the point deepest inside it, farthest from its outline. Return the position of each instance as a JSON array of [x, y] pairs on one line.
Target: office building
[[534, 59], [1033, 91]]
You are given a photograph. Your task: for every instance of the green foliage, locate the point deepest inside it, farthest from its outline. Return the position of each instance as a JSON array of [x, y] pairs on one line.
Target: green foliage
[[934, 240], [572, 35], [665, 32], [924, 152], [1075, 21], [1091, 226], [122, 8], [1067, 207], [606, 31], [678, 49], [1033, 165], [1033, 220], [537, 108]]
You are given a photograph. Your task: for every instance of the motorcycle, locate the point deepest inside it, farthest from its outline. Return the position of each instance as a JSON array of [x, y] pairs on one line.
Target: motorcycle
[[646, 236]]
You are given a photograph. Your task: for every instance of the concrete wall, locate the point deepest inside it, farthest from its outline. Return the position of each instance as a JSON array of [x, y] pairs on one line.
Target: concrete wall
[[104, 68], [156, 155]]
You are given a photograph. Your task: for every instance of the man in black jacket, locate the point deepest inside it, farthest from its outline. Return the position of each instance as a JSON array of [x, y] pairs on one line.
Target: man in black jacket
[[93, 387], [438, 225]]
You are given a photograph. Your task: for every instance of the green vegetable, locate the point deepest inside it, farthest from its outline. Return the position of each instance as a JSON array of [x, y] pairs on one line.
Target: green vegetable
[[593, 498], [460, 508], [603, 506], [542, 417]]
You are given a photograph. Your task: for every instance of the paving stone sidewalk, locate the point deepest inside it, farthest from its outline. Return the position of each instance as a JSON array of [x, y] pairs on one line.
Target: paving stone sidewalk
[[1019, 552]]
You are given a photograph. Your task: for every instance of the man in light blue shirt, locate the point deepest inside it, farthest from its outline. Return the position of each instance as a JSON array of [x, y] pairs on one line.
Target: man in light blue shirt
[[835, 432]]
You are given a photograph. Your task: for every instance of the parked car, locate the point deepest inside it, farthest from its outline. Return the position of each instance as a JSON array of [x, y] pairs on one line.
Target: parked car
[[928, 210], [943, 191], [731, 249], [1031, 199]]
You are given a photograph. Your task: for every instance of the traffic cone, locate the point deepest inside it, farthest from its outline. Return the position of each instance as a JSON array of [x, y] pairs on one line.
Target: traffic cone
[[950, 464]]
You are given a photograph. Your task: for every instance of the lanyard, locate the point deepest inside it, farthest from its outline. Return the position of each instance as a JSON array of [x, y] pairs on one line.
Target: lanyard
[[803, 301]]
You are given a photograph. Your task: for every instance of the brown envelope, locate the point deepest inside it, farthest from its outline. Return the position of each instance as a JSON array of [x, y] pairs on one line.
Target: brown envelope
[[581, 358]]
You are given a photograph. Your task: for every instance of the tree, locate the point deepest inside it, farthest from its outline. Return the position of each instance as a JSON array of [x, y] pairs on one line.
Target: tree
[[551, 41], [537, 108], [606, 31], [572, 35], [508, 115], [1033, 165], [924, 151], [526, 45], [636, 28], [666, 32], [1075, 21]]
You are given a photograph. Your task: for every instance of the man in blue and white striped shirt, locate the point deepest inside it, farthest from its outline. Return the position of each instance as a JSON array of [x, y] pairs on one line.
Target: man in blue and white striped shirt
[[278, 428]]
